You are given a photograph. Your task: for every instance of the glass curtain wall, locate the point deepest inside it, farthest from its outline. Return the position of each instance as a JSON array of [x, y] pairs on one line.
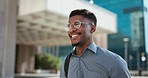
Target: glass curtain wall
[[130, 43]]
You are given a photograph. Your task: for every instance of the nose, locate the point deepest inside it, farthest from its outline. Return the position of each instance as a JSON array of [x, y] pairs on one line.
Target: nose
[[71, 30]]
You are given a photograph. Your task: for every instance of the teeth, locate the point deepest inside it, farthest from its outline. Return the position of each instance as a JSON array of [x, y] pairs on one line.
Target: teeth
[[74, 35]]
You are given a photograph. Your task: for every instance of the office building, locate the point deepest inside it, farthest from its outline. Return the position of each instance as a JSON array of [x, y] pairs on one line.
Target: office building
[[27, 24], [131, 39]]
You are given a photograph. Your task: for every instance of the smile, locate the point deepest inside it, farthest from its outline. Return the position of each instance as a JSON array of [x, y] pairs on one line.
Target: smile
[[73, 36]]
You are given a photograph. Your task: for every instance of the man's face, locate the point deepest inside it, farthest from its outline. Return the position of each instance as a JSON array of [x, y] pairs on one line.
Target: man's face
[[82, 34]]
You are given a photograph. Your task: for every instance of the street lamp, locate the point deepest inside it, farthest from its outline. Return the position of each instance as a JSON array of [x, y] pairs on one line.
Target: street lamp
[[143, 59], [130, 61], [126, 40], [91, 2]]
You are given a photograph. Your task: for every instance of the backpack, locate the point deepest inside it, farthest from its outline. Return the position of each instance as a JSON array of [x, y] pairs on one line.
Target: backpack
[[66, 64]]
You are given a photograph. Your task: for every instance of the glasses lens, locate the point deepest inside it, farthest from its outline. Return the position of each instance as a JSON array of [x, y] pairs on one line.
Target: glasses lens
[[77, 24], [69, 26]]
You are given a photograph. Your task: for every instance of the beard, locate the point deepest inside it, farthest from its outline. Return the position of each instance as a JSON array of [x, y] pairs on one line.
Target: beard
[[76, 44]]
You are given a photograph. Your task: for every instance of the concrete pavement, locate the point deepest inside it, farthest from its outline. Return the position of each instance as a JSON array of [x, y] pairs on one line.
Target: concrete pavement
[[139, 76]]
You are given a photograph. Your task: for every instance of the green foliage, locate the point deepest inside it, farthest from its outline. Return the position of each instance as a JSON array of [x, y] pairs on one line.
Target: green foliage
[[47, 61]]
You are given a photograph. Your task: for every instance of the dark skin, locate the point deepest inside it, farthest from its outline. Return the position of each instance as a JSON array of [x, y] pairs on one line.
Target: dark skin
[[82, 37]]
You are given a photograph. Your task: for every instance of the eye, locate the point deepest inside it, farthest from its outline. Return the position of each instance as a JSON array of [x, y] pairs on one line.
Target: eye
[[69, 25], [77, 23]]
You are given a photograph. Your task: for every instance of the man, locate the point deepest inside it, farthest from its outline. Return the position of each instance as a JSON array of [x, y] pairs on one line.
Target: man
[[88, 60]]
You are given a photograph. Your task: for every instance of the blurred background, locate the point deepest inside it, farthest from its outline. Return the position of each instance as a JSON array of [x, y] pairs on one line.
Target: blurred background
[[34, 42]]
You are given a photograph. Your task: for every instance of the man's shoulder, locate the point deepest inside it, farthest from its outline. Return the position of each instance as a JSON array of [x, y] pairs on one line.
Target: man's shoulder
[[107, 54]]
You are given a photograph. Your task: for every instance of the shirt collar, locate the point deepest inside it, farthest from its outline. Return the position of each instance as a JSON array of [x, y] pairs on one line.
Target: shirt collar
[[92, 47]]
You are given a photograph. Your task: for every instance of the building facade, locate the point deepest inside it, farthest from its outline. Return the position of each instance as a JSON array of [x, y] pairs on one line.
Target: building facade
[[27, 25], [131, 24]]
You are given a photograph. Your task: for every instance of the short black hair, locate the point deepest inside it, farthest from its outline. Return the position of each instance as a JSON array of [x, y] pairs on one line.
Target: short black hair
[[85, 13]]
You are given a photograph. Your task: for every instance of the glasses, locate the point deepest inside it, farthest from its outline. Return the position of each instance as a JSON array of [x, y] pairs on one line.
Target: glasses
[[76, 24]]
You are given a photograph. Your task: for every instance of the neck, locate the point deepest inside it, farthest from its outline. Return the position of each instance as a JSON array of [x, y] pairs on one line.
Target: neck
[[81, 48]]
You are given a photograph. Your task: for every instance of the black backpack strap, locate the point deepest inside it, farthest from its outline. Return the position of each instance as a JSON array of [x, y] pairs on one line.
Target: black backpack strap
[[66, 65]]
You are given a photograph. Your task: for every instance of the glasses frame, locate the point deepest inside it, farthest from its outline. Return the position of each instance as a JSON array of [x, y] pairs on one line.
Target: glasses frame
[[74, 25]]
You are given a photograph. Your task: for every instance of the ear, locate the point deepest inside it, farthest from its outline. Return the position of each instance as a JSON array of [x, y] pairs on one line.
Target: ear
[[93, 29]]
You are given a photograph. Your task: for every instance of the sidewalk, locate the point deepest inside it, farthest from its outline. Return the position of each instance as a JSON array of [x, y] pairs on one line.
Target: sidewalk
[[139, 77], [52, 76], [36, 76]]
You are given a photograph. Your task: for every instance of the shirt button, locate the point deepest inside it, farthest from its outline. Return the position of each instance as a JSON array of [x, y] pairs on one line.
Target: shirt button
[[81, 70]]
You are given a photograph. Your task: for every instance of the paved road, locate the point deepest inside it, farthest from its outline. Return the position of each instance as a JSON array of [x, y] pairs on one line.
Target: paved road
[[52, 76], [139, 77]]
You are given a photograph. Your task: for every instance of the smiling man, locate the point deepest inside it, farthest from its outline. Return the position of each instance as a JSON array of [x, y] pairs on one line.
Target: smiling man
[[87, 60]]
